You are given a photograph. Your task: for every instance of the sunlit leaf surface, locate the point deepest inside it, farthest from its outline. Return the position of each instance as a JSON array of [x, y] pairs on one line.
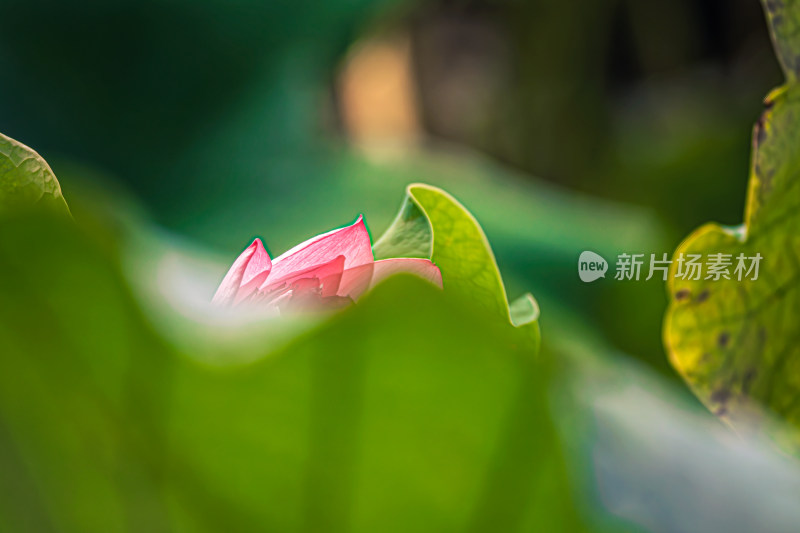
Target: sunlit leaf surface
[[432, 224]]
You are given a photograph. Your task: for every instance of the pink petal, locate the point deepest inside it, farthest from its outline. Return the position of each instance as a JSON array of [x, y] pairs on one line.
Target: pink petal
[[355, 281], [331, 279], [257, 271], [423, 268], [327, 276], [352, 242], [249, 270]]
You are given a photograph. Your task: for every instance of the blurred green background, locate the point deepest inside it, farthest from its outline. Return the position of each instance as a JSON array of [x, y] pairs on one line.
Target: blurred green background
[[613, 126], [276, 119]]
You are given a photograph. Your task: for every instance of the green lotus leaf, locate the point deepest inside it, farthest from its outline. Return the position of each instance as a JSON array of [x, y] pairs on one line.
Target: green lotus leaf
[[26, 179], [432, 224], [735, 341]]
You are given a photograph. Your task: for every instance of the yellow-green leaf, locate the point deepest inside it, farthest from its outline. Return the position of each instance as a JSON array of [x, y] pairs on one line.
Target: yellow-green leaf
[[26, 179], [735, 341]]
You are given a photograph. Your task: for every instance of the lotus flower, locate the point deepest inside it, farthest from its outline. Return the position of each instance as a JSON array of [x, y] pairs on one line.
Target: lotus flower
[[327, 271]]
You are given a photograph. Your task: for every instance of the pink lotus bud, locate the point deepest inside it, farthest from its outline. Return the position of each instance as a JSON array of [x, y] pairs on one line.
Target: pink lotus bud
[[327, 271]]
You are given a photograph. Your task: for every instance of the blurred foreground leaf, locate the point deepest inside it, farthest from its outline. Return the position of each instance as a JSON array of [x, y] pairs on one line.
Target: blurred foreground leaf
[[735, 342], [411, 411], [26, 179]]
